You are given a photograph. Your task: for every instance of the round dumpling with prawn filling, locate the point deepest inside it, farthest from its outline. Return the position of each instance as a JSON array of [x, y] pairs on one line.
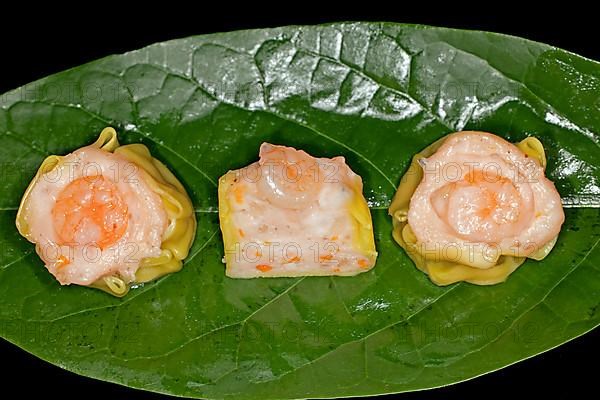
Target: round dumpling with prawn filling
[[473, 207], [96, 216]]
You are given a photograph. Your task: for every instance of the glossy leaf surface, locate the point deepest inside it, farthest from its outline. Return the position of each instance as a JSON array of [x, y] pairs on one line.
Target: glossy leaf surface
[[374, 93]]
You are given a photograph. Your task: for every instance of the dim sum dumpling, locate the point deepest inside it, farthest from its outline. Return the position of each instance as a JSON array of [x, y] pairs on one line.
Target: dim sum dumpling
[[291, 214], [107, 216], [472, 207]]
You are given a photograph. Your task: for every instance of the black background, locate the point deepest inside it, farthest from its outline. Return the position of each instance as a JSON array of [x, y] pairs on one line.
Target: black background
[[36, 46]]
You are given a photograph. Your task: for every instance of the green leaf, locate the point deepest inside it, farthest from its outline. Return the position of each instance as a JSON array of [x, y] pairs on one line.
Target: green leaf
[[375, 93]]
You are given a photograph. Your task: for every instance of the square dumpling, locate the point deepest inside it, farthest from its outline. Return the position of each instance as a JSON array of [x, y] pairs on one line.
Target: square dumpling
[[290, 214]]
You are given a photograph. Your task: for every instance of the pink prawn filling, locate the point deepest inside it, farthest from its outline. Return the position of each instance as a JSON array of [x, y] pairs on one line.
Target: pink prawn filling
[[90, 210], [480, 203]]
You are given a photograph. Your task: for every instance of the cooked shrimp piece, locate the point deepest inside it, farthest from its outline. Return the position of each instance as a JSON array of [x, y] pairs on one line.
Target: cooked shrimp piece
[[289, 178], [291, 214], [90, 210], [485, 198]]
